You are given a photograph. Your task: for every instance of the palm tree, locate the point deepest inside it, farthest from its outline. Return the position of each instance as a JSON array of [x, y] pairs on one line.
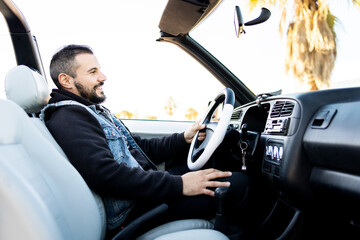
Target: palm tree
[[170, 107], [125, 114], [310, 40], [191, 114]]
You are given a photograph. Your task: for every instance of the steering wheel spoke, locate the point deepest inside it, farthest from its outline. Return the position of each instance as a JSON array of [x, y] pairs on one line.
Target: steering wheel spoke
[[201, 151], [211, 126]]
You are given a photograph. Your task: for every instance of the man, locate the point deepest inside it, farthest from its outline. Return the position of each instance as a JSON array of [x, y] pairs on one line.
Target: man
[[114, 163]]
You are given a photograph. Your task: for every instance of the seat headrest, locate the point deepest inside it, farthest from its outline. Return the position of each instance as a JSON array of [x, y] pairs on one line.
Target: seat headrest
[[27, 88]]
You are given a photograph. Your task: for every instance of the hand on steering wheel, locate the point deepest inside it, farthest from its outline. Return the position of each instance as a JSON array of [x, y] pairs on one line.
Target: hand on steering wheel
[[200, 152]]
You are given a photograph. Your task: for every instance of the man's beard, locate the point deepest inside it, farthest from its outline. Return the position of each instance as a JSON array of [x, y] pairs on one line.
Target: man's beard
[[90, 94]]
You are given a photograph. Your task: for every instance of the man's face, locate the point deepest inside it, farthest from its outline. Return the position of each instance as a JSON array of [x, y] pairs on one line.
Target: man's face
[[89, 79]]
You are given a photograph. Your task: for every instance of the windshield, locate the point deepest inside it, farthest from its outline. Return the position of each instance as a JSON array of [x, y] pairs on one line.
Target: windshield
[[258, 57]]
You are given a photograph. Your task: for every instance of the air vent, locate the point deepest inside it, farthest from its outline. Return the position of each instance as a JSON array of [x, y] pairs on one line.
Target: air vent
[[236, 114], [282, 109], [287, 109]]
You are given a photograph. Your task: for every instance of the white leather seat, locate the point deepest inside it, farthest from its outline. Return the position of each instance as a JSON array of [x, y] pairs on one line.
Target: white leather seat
[[179, 227], [42, 196], [205, 234]]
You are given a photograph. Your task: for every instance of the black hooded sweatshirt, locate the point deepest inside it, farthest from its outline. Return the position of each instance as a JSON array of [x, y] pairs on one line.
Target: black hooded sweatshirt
[[82, 139]]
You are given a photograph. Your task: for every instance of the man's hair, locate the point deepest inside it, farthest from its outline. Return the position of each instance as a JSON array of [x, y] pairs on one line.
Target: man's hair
[[64, 61]]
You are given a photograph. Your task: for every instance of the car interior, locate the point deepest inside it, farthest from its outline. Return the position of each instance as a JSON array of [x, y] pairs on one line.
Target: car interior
[[300, 150]]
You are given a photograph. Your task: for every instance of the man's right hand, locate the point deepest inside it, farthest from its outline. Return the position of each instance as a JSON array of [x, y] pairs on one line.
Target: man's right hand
[[198, 182]]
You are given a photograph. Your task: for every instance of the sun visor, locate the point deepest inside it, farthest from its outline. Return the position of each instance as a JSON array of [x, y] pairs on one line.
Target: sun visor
[[180, 16]]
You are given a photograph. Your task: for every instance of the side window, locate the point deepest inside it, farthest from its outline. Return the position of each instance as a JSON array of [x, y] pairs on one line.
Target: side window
[[180, 91], [7, 57]]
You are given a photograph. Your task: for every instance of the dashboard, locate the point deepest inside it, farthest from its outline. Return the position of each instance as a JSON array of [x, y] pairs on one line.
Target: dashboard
[[308, 144]]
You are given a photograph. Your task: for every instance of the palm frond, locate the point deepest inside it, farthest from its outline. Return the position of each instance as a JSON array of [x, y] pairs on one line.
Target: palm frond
[[253, 4], [311, 45], [356, 2]]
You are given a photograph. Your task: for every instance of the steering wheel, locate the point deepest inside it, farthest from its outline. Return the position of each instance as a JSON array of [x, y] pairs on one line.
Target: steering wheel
[[201, 151]]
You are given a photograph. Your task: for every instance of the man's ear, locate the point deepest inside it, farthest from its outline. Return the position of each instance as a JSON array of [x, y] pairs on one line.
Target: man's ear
[[65, 81]]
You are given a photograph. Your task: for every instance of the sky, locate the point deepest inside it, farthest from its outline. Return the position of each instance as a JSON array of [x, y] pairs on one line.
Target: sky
[[142, 74]]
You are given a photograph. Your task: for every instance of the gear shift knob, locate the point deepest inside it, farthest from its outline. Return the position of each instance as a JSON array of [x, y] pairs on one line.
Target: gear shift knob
[[220, 195]]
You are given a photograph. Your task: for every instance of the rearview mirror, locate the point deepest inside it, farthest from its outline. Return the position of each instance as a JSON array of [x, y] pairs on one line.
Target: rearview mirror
[[239, 23]]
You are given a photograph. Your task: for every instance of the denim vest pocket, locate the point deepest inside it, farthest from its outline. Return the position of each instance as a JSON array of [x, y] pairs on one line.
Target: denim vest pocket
[[115, 143]]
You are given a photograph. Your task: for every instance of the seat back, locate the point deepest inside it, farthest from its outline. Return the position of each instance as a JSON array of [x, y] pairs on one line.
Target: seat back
[[42, 196]]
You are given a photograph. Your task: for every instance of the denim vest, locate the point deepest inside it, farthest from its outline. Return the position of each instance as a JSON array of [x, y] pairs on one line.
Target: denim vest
[[119, 140]]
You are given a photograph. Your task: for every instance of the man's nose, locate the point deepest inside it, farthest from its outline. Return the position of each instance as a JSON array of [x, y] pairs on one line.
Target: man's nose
[[102, 77]]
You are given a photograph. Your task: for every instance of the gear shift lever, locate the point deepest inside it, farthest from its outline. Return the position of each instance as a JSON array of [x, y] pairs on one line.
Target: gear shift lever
[[220, 195]]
